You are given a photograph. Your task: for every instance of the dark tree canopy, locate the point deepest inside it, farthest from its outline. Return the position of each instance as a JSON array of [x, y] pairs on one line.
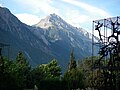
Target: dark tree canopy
[[72, 64]]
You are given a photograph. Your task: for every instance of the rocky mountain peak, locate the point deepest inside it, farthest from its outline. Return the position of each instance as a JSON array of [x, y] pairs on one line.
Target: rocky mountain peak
[[52, 20], [52, 16]]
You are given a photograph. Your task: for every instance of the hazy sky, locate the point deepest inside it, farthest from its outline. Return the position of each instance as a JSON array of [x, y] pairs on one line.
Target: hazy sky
[[79, 13]]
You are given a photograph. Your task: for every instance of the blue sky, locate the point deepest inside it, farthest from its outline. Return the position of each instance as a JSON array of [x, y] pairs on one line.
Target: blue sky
[[79, 13]]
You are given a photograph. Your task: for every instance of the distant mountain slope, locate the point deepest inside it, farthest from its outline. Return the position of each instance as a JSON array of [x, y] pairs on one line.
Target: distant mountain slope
[[62, 37], [20, 38], [50, 38]]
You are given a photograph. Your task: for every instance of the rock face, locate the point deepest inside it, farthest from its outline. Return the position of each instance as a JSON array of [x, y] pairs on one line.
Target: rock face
[[51, 38], [20, 38]]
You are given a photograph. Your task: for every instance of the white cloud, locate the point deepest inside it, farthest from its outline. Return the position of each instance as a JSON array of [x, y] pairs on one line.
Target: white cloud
[[72, 16], [77, 18], [1, 5], [28, 19], [85, 18], [38, 6], [88, 8]]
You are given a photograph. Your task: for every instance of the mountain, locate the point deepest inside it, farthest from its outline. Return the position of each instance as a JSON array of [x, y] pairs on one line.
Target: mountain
[[50, 38], [20, 38], [62, 37]]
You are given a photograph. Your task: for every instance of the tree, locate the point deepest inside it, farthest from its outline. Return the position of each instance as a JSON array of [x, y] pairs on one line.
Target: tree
[[21, 71], [53, 69], [38, 76], [47, 76], [72, 64], [93, 76], [7, 79], [73, 77]]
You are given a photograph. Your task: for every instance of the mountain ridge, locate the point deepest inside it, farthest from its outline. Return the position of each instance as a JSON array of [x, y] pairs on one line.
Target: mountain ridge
[[40, 44], [52, 20]]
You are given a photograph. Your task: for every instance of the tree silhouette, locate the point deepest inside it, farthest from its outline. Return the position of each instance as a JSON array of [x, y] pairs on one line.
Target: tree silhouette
[[72, 64]]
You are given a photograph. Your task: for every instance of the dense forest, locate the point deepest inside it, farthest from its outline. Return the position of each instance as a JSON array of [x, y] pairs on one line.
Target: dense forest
[[19, 75]]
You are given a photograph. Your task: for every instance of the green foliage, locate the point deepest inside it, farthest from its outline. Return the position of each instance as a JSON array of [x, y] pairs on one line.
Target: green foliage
[[21, 70], [38, 75], [95, 77], [53, 69], [47, 76], [74, 79], [87, 65], [72, 63], [18, 75], [7, 80]]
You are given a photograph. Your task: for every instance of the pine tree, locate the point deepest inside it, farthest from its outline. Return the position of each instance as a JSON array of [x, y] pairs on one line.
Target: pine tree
[[21, 71], [72, 63], [20, 59], [73, 77]]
